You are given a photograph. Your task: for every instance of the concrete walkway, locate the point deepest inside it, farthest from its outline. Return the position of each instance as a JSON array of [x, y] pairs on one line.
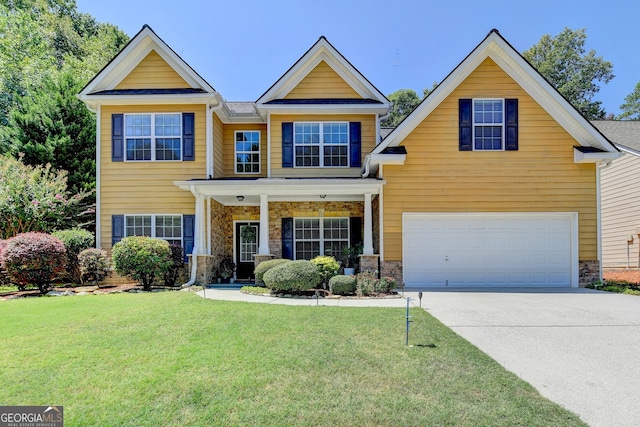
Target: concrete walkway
[[578, 347]]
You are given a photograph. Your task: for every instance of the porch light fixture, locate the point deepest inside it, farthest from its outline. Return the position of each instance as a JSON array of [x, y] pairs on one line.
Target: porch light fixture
[[240, 198], [322, 196]]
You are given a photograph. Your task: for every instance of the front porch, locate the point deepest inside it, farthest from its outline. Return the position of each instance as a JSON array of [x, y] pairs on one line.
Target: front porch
[[255, 220]]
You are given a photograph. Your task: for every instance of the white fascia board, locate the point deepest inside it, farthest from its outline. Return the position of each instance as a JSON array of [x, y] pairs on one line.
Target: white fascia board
[[628, 150], [580, 157], [388, 159], [193, 98], [322, 109], [283, 187]]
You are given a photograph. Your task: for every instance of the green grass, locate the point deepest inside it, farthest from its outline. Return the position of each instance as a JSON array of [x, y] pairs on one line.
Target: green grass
[[174, 359], [8, 288]]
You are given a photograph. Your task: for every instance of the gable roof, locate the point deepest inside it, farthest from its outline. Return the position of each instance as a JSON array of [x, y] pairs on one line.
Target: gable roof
[[623, 133], [494, 46], [322, 50], [103, 87]]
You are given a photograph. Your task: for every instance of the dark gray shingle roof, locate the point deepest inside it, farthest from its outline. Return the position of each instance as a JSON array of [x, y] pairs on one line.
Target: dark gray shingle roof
[[620, 132]]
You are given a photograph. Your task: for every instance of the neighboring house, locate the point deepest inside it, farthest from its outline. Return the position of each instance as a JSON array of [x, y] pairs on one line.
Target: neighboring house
[[620, 194], [491, 181]]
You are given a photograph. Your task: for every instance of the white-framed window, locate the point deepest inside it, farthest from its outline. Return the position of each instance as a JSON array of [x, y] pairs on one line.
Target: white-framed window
[[488, 124], [320, 236], [247, 146], [321, 144], [167, 227], [153, 136]]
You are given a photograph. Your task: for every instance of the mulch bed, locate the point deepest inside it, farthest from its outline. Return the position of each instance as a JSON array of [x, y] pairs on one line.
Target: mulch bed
[[89, 289], [623, 275]]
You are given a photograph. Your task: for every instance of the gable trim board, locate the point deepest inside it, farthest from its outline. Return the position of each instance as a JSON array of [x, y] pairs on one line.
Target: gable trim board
[[495, 47], [499, 249]]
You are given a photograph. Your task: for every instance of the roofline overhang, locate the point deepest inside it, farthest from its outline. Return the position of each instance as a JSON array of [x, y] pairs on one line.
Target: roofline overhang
[[628, 150], [92, 101], [604, 156], [289, 187], [264, 109]]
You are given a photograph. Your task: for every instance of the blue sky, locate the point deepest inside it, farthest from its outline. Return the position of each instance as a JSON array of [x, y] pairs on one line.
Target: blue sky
[[242, 47]]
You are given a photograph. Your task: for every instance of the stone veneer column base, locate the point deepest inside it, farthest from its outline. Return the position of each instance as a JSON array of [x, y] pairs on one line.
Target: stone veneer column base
[[588, 273], [204, 269], [369, 263], [260, 258], [392, 269]]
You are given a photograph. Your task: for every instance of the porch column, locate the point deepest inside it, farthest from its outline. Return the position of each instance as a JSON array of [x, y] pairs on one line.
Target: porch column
[[199, 246], [263, 249], [368, 226]]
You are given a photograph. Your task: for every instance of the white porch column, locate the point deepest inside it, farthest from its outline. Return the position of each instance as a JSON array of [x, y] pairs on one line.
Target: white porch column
[[199, 246], [263, 249], [368, 226]]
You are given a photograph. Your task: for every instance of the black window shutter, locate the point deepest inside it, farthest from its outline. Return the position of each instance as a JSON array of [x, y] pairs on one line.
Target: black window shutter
[[355, 226], [287, 145], [287, 238], [465, 125], [117, 228], [188, 234], [511, 124], [117, 137], [188, 142], [355, 145]]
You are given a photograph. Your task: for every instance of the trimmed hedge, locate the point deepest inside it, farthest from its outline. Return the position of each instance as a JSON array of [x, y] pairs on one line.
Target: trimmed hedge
[[342, 285], [142, 258], [265, 266], [177, 264], [95, 265], [327, 267], [293, 276], [75, 241], [34, 258]]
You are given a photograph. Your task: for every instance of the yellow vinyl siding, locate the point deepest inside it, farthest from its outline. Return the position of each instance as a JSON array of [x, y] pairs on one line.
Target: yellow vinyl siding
[[153, 72], [368, 137], [539, 177], [218, 157], [322, 82], [228, 149], [146, 187]]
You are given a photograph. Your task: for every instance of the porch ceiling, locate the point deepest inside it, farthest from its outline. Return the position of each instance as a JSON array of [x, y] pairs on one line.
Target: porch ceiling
[[230, 192]]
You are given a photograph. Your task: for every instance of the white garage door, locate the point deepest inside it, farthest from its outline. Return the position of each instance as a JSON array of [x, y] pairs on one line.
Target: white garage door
[[489, 250]]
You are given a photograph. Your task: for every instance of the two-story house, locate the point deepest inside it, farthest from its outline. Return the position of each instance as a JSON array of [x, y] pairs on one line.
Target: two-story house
[[491, 181]]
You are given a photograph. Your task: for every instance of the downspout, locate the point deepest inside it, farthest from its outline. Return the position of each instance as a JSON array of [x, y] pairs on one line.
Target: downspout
[[599, 166], [194, 256]]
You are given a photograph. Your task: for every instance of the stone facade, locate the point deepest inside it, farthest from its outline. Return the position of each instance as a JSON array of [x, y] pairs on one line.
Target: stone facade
[[392, 269], [369, 263], [588, 273]]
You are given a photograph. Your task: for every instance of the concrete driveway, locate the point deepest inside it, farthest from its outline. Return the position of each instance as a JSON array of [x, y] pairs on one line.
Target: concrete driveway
[[578, 347]]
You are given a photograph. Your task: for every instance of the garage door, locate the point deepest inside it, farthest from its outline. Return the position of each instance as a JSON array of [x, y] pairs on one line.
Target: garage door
[[489, 250]]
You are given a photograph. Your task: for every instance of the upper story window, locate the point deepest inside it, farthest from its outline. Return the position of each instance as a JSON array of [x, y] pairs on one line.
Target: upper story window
[[153, 136], [321, 144], [488, 124], [167, 227], [247, 146]]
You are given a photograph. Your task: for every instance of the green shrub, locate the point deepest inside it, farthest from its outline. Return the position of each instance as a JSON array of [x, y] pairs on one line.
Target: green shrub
[[342, 285], [293, 276], [367, 283], [254, 290], [327, 267], [75, 241], [142, 258], [265, 266], [4, 277], [177, 264], [386, 285], [95, 265], [34, 258]]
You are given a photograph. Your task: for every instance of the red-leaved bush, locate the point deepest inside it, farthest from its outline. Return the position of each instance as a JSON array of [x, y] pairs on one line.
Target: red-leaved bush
[[34, 258]]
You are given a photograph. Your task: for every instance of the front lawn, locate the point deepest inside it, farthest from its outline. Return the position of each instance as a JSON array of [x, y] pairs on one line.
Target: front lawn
[[174, 359]]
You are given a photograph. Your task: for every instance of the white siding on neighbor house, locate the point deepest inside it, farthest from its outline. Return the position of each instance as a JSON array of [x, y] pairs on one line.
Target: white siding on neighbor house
[[620, 183]]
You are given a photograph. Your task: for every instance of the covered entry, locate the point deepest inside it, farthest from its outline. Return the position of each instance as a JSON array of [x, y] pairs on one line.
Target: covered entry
[[490, 249]]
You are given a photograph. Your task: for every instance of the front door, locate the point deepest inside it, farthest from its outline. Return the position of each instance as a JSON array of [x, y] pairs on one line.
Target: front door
[[246, 247]]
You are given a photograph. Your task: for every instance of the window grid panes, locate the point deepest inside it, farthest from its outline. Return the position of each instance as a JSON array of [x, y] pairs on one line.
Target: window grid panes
[[320, 236], [153, 136], [167, 227], [488, 120], [248, 246], [247, 146], [321, 144]]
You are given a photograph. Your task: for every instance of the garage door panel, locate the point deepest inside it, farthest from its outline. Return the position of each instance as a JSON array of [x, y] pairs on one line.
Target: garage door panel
[[473, 251]]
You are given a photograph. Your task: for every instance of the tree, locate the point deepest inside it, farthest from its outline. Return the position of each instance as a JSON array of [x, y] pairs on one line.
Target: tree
[[631, 107], [575, 73], [403, 102]]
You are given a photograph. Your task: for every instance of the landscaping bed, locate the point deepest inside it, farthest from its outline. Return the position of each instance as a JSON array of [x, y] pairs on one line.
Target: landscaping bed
[[79, 290]]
